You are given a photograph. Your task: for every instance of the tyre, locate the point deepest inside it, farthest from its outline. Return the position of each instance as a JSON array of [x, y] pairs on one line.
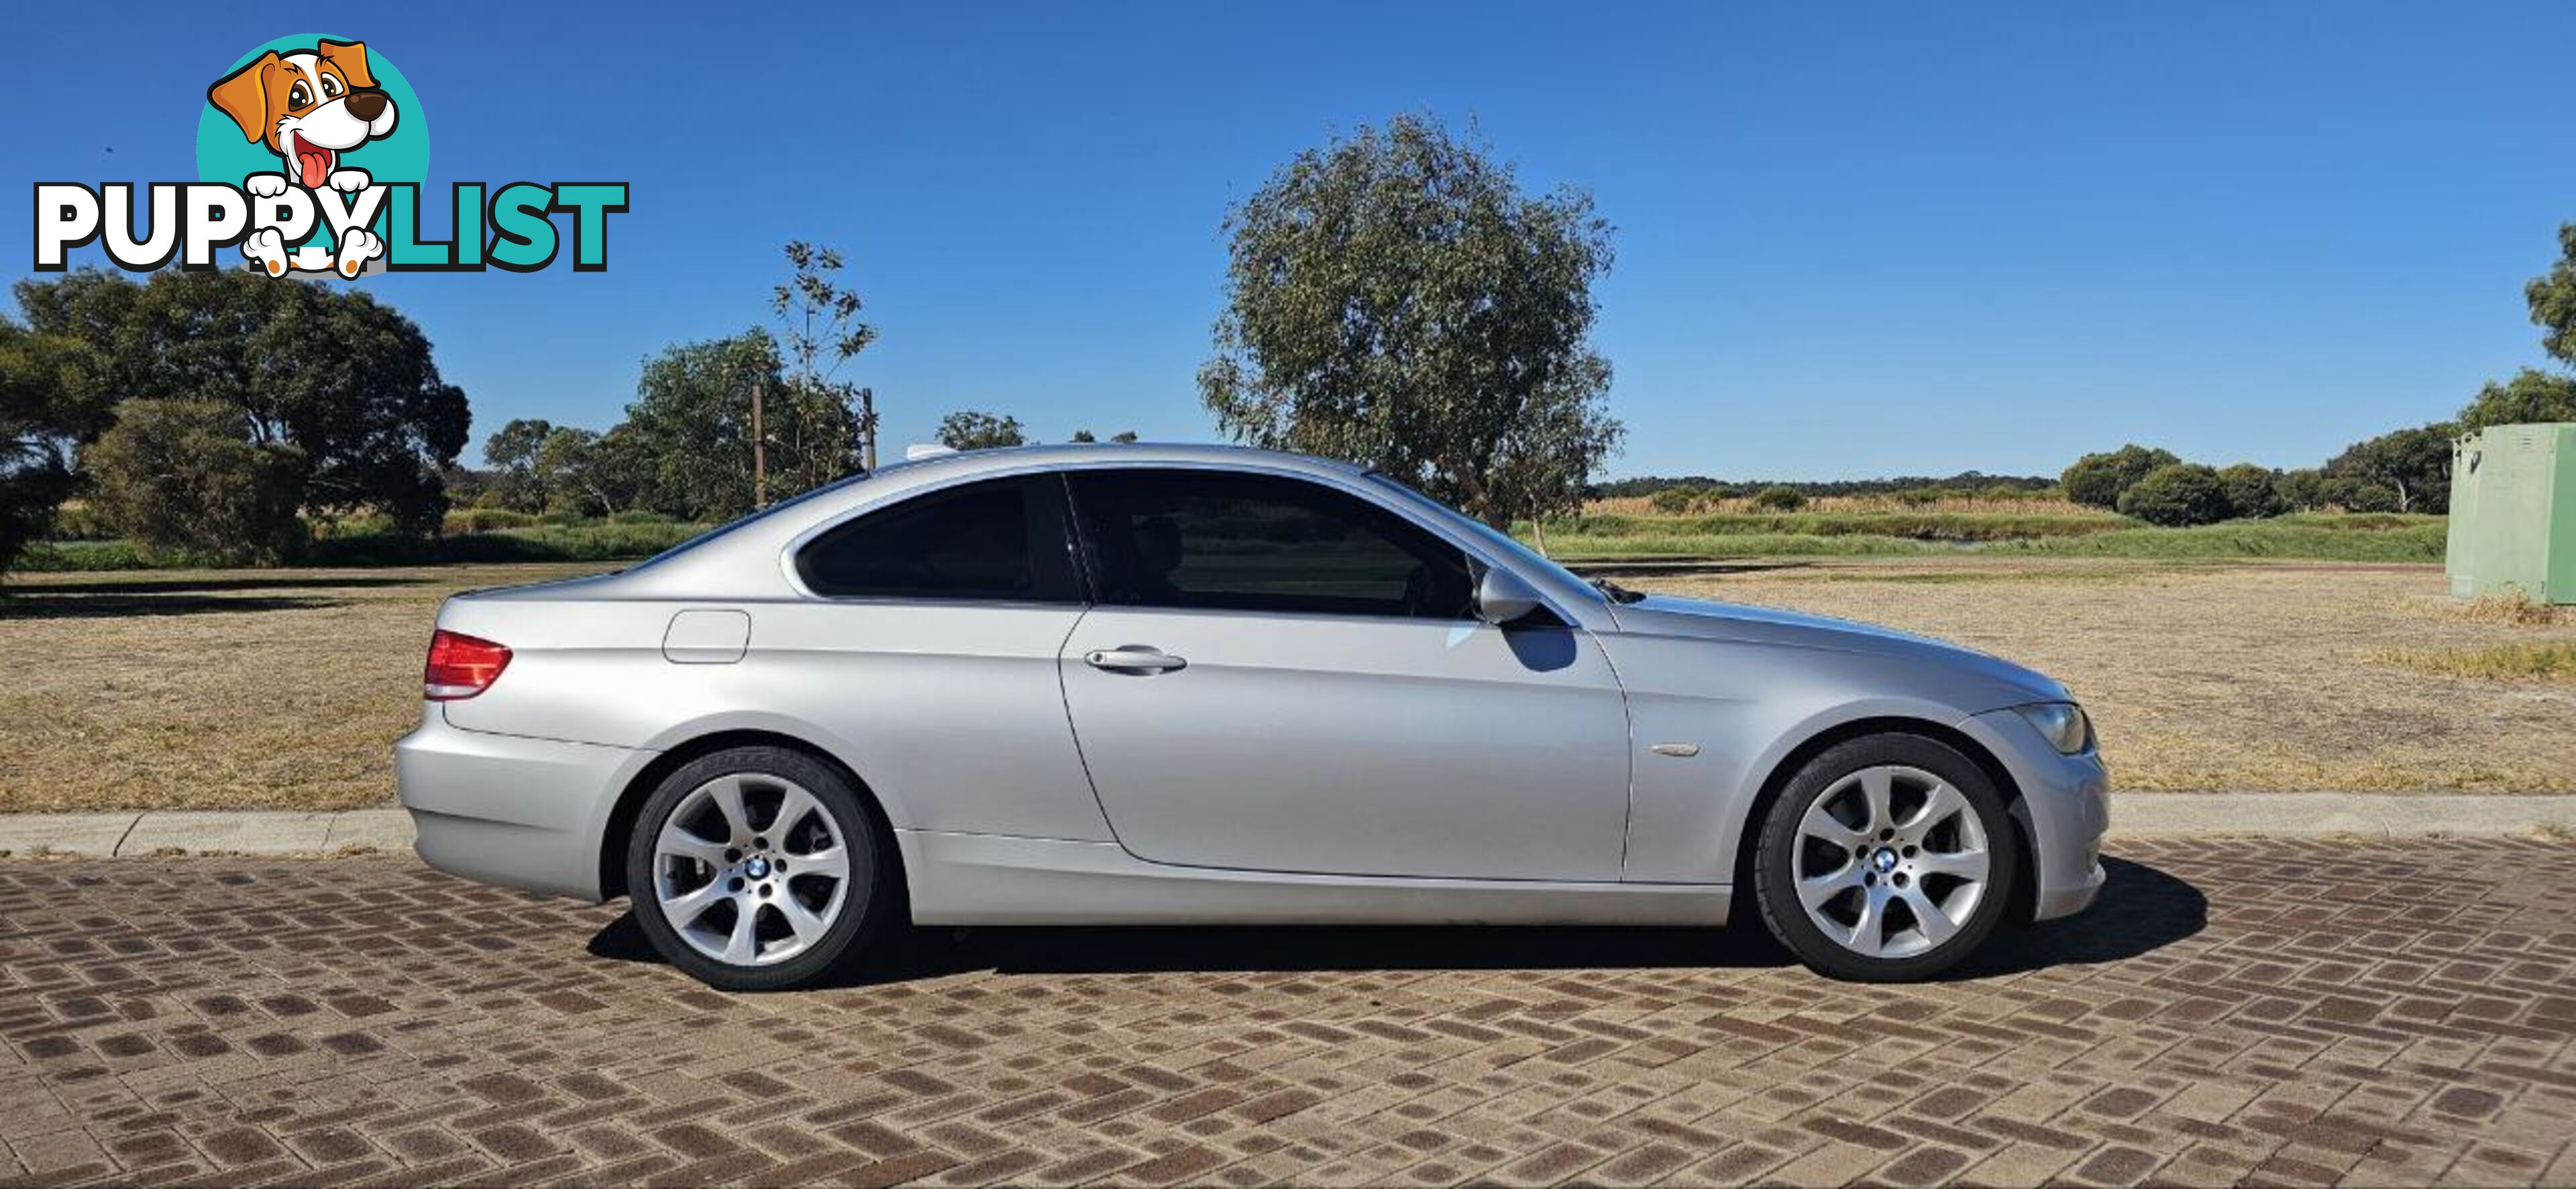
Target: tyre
[[1889, 858], [756, 869]]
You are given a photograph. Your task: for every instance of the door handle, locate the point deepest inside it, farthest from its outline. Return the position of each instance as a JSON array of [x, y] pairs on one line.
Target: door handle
[[1133, 658]]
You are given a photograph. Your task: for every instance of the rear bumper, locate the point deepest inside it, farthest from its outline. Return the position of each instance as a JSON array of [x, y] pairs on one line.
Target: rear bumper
[[508, 810], [2065, 805]]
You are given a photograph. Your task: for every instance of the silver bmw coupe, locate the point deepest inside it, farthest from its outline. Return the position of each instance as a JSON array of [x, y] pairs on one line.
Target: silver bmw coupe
[[1196, 685]]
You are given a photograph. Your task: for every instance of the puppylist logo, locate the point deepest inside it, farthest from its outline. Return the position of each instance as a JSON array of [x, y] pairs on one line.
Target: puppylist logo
[[311, 154]]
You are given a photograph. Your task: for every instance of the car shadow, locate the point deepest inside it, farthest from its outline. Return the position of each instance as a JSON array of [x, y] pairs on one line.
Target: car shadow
[[143, 585], [2141, 909], [25, 603]]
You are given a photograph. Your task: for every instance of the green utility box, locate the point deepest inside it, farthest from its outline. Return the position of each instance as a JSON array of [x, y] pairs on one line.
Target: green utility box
[[2513, 512]]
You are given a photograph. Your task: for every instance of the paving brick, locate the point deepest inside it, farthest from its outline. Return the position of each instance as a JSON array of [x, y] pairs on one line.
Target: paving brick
[[2283, 1012]]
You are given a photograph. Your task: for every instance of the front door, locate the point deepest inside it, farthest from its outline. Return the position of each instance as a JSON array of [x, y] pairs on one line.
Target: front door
[[1282, 676]]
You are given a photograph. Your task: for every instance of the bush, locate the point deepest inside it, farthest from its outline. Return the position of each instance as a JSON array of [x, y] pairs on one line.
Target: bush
[[2253, 492], [28, 498], [485, 519], [2177, 495], [184, 475], [81, 520], [2353, 494], [1779, 497], [1677, 501], [2097, 480], [2303, 489]]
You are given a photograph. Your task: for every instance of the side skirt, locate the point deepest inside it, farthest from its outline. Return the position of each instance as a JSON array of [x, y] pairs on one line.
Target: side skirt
[[988, 879]]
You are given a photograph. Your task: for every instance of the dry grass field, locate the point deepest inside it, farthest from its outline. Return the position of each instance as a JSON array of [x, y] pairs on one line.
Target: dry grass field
[[2236, 675], [217, 688], [214, 689]]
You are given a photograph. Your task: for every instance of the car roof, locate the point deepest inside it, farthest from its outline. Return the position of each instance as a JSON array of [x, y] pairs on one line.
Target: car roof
[[1086, 453], [751, 546]]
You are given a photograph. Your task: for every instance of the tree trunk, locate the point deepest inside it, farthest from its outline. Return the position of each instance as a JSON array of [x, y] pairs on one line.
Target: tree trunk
[[759, 454]]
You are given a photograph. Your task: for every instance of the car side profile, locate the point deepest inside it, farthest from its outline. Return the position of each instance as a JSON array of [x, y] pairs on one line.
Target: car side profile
[[1195, 685]]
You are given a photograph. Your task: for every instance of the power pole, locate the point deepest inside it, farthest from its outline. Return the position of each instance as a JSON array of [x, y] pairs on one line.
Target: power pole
[[867, 429], [759, 452]]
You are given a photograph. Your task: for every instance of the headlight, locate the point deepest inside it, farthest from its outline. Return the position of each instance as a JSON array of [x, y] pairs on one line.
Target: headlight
[[2061, 723]]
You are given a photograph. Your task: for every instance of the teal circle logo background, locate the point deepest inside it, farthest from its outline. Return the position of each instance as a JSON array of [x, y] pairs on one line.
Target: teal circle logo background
[[225, 155]]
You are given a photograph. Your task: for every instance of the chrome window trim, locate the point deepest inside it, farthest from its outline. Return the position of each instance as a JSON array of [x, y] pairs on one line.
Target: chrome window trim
[[796, 544], [1362, 491]]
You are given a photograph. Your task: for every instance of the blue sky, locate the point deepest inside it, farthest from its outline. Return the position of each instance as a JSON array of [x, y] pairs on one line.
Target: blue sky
[[1853, 239]]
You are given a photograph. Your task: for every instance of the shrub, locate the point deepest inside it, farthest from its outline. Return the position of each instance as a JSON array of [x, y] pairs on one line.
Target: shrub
[[81, 520], [184, 475], [2097, 480], [2508, 606], [2253, 492], [1677, 501], [2354, 494], [486, 519], [28, 497], [2177, 495], [1779, 497], [2303, 489]]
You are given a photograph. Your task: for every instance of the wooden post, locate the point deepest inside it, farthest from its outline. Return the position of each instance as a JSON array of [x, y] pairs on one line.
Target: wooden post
[[867, 429], [759, 452]]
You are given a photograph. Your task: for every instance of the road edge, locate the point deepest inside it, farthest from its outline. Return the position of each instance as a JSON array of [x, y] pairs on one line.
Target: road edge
[[133, 834]]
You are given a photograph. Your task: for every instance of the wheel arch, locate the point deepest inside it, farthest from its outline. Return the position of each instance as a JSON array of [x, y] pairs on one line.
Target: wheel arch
[[630, 800], [2023, 895]]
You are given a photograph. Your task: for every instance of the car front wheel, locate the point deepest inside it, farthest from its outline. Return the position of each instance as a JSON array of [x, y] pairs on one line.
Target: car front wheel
[[1887, 858], [755, 869]]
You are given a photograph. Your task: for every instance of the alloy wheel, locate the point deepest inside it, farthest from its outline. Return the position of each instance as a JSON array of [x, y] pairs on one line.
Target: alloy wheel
[[1891, 861], [750, 869]]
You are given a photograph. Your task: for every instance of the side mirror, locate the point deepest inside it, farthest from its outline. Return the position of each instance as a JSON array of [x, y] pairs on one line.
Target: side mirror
[[1503, 597]]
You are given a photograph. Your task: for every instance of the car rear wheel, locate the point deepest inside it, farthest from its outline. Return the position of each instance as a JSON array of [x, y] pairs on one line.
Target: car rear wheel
[[755, 869], [1889, 858]]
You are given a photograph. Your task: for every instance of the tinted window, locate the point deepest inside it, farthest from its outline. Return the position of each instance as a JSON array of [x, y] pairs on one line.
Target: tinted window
[[1183, 538], [999, 539]]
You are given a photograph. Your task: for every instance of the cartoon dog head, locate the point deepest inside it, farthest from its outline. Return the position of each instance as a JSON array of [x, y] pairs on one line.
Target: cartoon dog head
[[307, 107]]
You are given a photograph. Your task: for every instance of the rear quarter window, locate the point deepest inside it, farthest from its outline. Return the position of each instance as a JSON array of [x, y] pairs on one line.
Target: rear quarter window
[[995, 540]]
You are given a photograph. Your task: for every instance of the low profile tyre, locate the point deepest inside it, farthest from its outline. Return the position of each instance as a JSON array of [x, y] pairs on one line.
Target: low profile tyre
[[756, 869], [1889, 858]]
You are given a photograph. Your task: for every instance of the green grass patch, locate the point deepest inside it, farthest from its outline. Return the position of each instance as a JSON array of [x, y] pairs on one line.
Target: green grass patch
[[1583, 547], [2287, 537], [2553, 660], [1914, 526], [584, 542], [367, 545], [2314, 537], [62, 557]]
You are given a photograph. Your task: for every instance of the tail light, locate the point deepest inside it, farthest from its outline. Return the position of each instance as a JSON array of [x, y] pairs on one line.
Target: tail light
[[461, 666]]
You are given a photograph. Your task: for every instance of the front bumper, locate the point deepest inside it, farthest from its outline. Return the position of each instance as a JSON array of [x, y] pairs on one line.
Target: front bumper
[[2065, 805], [508, 810]]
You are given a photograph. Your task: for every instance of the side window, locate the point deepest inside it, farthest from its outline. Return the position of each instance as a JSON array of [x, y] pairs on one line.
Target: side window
[[1002, 539], [1210, 539]]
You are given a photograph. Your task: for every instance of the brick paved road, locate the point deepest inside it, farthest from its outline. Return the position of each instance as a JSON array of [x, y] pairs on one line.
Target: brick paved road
[[2281, 1012]]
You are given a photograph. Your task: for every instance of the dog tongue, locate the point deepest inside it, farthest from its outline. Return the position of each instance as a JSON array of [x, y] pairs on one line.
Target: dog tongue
[[316, 167]]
